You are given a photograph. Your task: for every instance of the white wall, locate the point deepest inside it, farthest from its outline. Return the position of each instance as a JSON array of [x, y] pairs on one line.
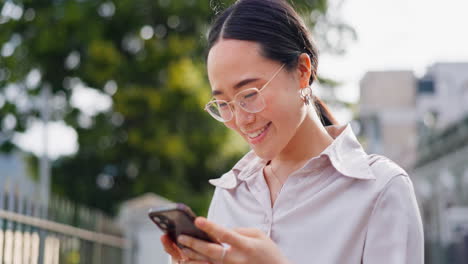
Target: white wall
[[141, 231]]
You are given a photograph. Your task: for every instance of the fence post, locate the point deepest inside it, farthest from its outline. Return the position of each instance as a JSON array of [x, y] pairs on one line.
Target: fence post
[[8, 247], [2, 236], [18, 229], [42, 233], [97, 246]]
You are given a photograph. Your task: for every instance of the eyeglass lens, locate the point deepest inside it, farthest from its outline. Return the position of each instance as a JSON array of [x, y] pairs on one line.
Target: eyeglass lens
[[249, 100]]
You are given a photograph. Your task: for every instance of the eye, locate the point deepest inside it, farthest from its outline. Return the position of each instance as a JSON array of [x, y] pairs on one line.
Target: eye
[[251, 95], [222, 104]]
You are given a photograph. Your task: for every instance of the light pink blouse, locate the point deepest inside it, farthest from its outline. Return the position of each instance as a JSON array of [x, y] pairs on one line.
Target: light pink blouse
[[343, 206]]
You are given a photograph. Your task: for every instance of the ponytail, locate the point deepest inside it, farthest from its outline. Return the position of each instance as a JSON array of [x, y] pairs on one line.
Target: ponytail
[[324, 112]]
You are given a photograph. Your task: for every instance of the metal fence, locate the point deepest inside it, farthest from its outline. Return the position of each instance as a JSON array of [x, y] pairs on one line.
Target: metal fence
[[62, 233]]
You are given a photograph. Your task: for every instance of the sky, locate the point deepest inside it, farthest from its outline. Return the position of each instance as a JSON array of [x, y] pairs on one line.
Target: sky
[[397, 35], [392, 35]]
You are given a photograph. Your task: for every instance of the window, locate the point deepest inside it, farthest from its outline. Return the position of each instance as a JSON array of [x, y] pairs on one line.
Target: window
[[426, 86]]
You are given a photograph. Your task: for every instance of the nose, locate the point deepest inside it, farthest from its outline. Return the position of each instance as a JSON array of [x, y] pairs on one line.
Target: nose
[[243, 117]]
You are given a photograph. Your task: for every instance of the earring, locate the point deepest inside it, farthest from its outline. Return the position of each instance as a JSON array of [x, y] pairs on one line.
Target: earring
[[306, 95]]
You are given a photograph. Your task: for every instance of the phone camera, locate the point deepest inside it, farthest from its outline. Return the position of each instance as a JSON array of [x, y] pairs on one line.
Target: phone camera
[[164, 222]]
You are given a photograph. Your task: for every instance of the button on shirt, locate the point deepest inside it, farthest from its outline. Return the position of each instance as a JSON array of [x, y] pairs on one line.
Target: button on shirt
[[343, 206]]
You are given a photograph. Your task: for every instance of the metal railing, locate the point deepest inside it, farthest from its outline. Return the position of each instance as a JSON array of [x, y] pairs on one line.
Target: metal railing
[[62, 233]]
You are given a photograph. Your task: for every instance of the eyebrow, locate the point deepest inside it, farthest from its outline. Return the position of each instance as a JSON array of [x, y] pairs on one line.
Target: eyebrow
[[238, 85]]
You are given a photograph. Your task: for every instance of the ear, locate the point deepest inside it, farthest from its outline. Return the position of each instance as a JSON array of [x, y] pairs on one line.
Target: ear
[[304, 69]]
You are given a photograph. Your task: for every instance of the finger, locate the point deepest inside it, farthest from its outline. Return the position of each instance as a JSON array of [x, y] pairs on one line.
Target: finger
[[210, 250], [192, 255], [171, 248], [224, 235], [196, 262], [249, 232]]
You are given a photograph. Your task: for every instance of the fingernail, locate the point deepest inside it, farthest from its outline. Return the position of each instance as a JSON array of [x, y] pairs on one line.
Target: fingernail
[[182, 239], [201, 221]]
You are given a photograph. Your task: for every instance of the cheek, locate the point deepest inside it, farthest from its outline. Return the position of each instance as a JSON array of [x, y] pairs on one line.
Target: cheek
[[232, 125], [284, 111], [282, 106]]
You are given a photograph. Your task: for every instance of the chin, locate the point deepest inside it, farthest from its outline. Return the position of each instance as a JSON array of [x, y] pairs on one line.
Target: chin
[[263, 154]]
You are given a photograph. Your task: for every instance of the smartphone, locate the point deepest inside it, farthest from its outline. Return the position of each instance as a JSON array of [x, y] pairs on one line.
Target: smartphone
[[176, 219]]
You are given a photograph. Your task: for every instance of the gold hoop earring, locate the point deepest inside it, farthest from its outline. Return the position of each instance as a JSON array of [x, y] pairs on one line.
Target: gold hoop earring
[[306, 95]]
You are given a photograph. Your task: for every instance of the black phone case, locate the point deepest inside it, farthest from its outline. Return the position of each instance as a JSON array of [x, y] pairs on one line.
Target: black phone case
[[177, 219]]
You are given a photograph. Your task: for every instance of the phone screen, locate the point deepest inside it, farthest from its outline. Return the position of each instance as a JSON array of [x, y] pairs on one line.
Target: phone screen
[[177, 219]]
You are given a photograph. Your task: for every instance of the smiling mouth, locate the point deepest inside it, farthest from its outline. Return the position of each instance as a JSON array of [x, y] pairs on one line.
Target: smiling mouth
[[257, 133]]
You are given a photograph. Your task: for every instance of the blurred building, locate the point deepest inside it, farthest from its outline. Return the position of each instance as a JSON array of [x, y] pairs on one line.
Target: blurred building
[[397, 109], [12, 165], [440, 178], [387, 112], [13, 169], [141, 232], [443, 95], [422, 124]]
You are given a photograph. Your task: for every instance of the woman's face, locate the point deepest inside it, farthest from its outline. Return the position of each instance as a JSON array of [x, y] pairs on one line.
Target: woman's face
[[234, 62]]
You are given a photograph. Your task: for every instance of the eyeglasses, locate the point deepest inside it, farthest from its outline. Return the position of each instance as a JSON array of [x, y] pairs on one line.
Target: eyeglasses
[[250, 100]]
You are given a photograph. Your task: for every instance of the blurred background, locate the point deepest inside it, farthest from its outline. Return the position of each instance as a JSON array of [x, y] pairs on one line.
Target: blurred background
[[101, 116]]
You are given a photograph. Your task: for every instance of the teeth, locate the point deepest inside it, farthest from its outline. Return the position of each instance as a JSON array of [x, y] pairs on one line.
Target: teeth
[[257, 133]]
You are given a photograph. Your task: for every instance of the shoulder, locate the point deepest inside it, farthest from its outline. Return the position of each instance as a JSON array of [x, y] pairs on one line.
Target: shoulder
[[385, 171], [395, 227], [393, 188]]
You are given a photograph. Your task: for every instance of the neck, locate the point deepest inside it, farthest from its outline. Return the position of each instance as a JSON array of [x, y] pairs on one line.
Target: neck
[[309, 141]]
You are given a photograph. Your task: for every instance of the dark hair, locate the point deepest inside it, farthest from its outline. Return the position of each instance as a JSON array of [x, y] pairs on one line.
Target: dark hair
[[279, 30]]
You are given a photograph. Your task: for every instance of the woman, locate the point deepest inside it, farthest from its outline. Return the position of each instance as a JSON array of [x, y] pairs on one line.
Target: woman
[[307, 192]]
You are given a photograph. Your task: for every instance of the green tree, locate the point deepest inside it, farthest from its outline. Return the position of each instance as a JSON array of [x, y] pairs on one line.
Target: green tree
[[149, 56]]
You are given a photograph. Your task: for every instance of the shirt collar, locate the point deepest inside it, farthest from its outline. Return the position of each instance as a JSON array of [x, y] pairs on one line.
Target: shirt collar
[[345, 154]]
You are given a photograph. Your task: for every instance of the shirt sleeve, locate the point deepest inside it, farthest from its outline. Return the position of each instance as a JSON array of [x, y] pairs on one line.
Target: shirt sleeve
[[395, 232], [212, 209]]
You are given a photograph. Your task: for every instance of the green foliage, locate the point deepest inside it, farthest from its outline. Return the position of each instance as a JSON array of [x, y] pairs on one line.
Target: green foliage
[[157, 137]]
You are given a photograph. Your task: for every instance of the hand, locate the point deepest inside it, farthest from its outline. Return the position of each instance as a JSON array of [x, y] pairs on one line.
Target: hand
[[247, 245], [172, 249]]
